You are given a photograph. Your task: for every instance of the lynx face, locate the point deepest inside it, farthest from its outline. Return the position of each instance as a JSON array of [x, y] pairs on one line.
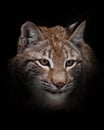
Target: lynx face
[[50, 62]]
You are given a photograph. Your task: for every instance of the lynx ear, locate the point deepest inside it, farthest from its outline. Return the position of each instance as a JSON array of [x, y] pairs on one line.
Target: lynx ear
[[72, 27], [78, 32], [30, 32]]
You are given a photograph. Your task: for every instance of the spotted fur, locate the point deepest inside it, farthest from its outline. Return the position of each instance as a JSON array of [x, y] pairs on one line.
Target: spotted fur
[[58, 45]]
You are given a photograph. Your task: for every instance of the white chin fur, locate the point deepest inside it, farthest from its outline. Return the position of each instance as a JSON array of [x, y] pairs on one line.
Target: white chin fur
[[56, 96], [54, 101]]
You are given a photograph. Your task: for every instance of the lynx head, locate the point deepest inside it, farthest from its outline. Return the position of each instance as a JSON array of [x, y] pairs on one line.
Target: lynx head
[[52, 62]]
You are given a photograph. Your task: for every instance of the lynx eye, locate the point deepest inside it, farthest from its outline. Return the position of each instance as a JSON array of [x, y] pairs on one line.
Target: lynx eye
[[70, 63], [44, 62]]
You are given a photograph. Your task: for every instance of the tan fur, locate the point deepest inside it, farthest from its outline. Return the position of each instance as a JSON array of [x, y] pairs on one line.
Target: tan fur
[[55, 34], [56, 45]]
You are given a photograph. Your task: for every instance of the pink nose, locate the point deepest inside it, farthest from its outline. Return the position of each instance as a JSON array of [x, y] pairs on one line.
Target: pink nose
[[59, 85]]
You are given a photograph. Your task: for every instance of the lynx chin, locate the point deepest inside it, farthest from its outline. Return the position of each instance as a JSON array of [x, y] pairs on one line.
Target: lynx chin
[[52, 67]]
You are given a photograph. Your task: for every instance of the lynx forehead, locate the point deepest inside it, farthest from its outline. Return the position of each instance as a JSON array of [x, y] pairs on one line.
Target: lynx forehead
[[56, 35]]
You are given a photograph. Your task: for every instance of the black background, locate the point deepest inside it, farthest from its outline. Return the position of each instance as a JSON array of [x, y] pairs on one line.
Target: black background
[[51, 15]]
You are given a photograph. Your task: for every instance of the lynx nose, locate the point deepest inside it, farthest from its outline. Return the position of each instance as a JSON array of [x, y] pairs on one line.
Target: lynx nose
[[59, 85]]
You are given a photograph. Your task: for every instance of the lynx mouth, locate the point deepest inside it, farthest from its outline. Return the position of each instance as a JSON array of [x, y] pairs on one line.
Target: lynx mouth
[[53, 92], [56, 91], [49, 88]]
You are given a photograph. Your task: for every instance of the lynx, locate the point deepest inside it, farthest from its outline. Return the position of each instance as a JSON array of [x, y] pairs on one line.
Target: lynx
[[53, 65]]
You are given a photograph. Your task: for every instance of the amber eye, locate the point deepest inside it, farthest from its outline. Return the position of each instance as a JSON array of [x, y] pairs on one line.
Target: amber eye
[[70, 63], [44, 62]]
